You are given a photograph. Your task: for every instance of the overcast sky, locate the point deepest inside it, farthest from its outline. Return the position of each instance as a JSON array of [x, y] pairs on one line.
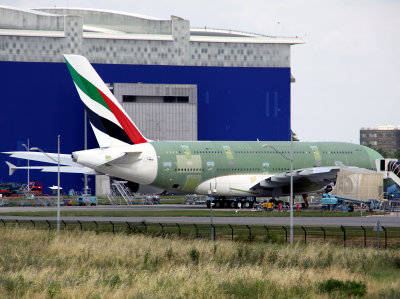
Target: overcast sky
[[347, 72]]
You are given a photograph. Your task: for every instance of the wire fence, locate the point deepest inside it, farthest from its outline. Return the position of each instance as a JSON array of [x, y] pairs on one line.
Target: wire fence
[[349, 236]]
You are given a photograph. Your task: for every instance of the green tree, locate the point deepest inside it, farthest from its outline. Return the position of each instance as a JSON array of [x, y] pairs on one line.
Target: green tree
[[387, 154], [294, 137]]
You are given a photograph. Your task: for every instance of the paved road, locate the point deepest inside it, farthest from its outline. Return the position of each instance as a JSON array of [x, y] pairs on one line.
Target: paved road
[[368, 221], [163, 207]]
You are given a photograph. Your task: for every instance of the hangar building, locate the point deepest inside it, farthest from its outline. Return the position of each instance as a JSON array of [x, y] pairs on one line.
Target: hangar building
[[176, 82]]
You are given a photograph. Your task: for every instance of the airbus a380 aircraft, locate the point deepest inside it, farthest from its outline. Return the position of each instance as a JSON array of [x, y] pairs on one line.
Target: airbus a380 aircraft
[[226, 168]]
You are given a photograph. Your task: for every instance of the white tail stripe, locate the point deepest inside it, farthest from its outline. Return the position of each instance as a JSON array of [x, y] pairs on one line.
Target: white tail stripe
[[105, 140], [96, 107], [86, 70]]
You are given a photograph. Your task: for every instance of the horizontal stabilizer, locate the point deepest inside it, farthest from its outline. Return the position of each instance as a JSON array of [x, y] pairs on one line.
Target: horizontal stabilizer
[[12, 168], [110, 159], [127, 158], [70, 169], [41, 157], [63, 169]]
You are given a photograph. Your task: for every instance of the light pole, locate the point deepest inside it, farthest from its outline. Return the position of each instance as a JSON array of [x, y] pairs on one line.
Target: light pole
[[291, 182], [85, 176], [27, 148], [212, 226], [58, 178]]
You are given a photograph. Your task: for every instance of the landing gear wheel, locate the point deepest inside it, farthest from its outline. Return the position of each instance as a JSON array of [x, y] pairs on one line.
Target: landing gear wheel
[[239, 205]]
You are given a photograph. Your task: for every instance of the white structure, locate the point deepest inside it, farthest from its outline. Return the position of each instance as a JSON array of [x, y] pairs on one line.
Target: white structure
[[113, 37]]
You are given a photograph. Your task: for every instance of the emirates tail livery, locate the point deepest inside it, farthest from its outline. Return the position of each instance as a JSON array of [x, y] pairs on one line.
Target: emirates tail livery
[[229, 168]]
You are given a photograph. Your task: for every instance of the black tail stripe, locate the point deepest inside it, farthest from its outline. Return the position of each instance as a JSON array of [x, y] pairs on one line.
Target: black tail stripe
[[107, 127]]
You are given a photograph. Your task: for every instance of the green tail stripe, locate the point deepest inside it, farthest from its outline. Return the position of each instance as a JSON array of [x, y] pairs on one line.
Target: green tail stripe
[[88, 88]]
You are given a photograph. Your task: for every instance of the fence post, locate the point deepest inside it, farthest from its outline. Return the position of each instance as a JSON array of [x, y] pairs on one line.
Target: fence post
[[34, 225], [214, 234], [97, 226], [113, 227], [324, 232], [344, 235], [129, 226], [365, 236], [179, 229], [3, 222], [80, 223], [231, 230], [266, 228], [65, 224], [145, 226], [162, 229], [305, 235], [285, 231], [248, 227], [48, 224], [197, 231], [384, 228]]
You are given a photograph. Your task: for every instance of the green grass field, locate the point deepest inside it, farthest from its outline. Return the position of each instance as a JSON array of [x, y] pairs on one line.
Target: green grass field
[[75, 264], [186, 213]]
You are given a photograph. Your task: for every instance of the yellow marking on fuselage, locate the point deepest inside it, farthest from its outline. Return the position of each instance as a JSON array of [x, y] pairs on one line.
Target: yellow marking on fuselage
[[228, 152], [188, 165]]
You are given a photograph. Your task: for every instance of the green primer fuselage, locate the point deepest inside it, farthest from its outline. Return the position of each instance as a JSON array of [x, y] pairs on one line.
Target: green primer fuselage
[[183, 165]]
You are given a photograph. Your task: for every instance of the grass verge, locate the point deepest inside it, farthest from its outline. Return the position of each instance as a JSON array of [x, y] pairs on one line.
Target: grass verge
[[41, 264]]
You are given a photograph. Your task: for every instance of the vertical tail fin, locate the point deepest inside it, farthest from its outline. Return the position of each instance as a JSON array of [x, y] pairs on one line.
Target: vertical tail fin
[[110, 123]]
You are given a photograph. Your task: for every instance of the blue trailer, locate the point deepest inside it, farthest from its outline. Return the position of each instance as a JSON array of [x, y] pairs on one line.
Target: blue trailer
[[88, 201], [334, 202]]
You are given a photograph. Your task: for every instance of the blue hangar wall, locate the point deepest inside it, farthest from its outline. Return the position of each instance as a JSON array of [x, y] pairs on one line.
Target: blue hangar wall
[[39, 101]]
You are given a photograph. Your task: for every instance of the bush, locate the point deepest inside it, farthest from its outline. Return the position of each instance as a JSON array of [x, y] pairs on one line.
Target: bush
[[348, 288], [15, 287], [396, 262], [244, 288], [194, 255]]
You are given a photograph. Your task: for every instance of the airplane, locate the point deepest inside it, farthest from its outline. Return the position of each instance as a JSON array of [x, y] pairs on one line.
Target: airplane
[[221, 169]]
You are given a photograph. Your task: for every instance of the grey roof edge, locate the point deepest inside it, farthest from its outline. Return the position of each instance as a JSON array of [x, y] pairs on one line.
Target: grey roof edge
[[128, 14]]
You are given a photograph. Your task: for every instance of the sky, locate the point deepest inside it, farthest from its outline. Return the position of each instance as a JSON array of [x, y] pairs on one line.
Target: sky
[[347, 71]]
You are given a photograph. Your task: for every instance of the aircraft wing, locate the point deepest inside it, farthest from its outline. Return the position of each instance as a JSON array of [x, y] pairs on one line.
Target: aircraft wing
[[305, 180], [40, 157]]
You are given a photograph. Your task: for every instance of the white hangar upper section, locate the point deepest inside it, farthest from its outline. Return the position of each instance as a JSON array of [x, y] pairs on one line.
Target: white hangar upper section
[[104, 36]]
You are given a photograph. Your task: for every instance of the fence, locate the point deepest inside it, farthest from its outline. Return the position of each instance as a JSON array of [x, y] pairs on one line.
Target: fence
[[354, 236]]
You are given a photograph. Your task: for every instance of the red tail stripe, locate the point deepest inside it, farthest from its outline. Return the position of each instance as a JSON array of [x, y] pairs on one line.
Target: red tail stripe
[[126, 124]]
